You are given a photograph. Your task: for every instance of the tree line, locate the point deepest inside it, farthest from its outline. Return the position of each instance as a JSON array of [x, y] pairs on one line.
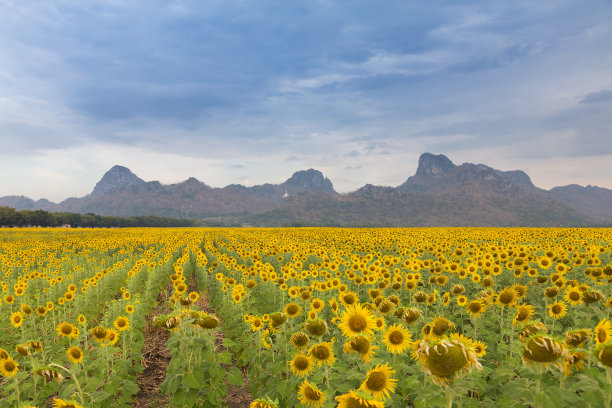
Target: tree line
[[9, 217]]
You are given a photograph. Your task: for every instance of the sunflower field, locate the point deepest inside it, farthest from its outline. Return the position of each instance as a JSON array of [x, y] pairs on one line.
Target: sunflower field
[[307, 317]]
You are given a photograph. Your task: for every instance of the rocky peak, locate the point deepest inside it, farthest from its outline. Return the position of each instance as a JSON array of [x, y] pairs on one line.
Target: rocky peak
[[117, 178], [308, 180], [431, 165]]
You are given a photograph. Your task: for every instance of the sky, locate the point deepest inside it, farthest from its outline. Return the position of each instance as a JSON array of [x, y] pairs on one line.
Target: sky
[[251, 91]]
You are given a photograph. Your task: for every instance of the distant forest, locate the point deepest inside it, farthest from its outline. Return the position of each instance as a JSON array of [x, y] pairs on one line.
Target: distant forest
[[9, 217]]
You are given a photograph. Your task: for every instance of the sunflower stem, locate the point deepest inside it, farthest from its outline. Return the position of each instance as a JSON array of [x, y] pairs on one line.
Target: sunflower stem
[[76, 382], [449, 397]]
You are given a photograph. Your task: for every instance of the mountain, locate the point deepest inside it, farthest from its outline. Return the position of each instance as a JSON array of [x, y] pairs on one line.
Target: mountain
[[440, 193], [595, 202]]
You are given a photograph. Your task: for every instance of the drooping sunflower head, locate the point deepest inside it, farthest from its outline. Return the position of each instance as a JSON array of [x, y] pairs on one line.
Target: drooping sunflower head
[[277, 319], [506, 297], [574, 362], [33, 344], [443, 359], [361, 345], [575, 338], [542, 349], [604, 354], [316, 327], [310, 395], [440, 325], [300, 340], [591, 296], [603, 332], [530, 329], [551, 292], [208, 322], [412, 315]]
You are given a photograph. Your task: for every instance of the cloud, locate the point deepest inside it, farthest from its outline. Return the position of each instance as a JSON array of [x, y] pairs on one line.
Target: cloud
[[605, 95]]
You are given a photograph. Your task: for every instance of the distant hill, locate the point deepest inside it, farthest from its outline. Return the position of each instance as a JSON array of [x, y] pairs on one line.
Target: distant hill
[[440, 193]]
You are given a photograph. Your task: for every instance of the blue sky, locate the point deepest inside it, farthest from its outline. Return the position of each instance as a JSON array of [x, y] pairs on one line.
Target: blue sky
[[251, 91]]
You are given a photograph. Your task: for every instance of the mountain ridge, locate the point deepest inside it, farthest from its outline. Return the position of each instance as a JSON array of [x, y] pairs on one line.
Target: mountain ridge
[[466, 194]]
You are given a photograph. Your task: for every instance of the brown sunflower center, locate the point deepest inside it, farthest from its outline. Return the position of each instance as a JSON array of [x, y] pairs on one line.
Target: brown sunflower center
[[376, 381], [396, 337], [556, 309], [311, 394], [76, 354], [9, 366], [445, 360], [292, 309], [301, 363], [475, 307], [320, 353], [602, 335], [522, 314], [574, 296], [66, 329], [357, 323]]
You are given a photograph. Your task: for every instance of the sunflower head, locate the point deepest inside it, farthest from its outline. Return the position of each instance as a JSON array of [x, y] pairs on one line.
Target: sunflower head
[[98, 333], [397, 338], [542, 349], [66, 329], [300, 340], [358, 399], [379, 383], [443, 359], [530, 329], [75, 354], [357, 320], [440, 325], [310, 395], [322, 353], [208, 322], [316, 327], [576, 338], [301, 364], [604, 354], [8, 367], [603, 332]]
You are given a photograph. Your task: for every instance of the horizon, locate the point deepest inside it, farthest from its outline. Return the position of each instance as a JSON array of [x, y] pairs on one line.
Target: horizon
[[240, 93]]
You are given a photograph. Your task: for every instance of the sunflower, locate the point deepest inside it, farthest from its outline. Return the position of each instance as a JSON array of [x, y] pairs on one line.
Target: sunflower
[[8, 367], [574, 362], [256, 324], [557, 310], [397, 338], [41, 310], [379, 383], [82, 319], [441, 325], [575, 338], [604, 354], [603, 332], [544, 262], [361, 345], [349, 298], [479, 348], [129, 309], [301, 364], [66, 329], [523, 313], [60, 403], [75, 354], [462, 300], [16, 319], [36, 345], [573, 296], [379, 323], [112, 336], [122, 323], [293, 310], [357, 320], [475, 308], [317, 304], [530, 329], [3, 354], [506, 297], [358, 399], [542, 350], [443, 359], [316, 327], [263, 403], [310, 396], [322, 353], [300, 340]]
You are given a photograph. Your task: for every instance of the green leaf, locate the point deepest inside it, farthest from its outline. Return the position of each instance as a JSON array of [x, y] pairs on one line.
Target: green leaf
[[234, 377], [225, 357], [190, 381], [229, 343]]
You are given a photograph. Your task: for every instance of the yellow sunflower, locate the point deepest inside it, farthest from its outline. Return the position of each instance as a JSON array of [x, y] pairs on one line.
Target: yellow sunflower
[[357, 320], [557, 310], [16, 319], [322, 353], [8, 367], [310, 396], [122, 323], [573, 296], [379, 383], [75, 354], [66, 329], [397, 338], [358, 399], [524, 312], [60, 403], [301, 364], [603, 332], [361, 345]]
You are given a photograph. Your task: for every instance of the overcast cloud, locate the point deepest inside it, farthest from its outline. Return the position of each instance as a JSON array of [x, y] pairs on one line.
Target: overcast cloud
[[249, 92]]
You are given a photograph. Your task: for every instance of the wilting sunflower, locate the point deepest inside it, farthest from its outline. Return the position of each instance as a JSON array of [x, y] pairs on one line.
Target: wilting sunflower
[[310, 395], [604, 354], [557, 310], [322, 353], [574, 362], [523, 313], [301, 365], [357, 320], [441, 325], [507, 297], [33, 344], [573, 295], [530, 329], [60, 403], [316, 327], [300, 340], [358, 399], [542, 350], [379, 383], [443, 359], [603, 332], [122, 323], [361, 345], [8, 367], [397, 338], [75, 354], [16, 319], [66, 329], [575, 338]]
